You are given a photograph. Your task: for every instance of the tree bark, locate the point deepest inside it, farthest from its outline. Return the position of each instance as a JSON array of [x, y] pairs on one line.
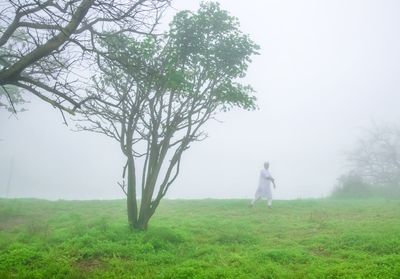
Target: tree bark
[[145, 207], [131, 194], [144, 217]]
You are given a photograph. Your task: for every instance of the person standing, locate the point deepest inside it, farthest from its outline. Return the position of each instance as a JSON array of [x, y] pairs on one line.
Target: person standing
[[264, 186]]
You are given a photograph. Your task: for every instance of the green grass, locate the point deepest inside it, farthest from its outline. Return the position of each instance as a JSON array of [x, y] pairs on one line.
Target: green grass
[[201, 239]]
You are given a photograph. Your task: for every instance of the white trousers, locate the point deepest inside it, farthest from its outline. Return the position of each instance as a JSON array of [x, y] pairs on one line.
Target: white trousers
[[257, 197]]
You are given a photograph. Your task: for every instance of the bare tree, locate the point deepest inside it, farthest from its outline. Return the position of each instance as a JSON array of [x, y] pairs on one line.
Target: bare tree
[[377, 156], [185, 78], [49, 47]]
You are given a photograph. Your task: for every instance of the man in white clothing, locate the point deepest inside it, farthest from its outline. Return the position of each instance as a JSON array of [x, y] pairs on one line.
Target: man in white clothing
[[264, 186]]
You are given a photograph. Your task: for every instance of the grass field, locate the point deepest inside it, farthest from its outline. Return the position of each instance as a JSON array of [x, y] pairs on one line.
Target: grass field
[[201, 239]]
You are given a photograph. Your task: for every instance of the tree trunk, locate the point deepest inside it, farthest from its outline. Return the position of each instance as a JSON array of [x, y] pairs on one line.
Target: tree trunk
[[131, 195], [143, 220]]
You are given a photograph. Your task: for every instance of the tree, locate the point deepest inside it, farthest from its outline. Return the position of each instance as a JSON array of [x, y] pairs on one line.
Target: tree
[[374, 166], [167, 89], [377, 157], [45, 43]]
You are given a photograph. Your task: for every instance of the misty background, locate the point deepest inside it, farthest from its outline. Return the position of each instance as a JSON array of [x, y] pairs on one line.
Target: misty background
[[326, 70]]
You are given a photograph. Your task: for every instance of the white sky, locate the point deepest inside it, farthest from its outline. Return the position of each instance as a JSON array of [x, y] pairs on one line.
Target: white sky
[[326, 69]]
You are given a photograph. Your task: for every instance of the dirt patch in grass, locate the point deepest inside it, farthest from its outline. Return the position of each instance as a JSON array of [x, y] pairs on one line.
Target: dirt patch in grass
[[12, 223], [88, 265], [321, 252]]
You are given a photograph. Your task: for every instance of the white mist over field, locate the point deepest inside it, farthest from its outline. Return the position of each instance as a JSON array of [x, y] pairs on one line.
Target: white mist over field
[[325, 70]]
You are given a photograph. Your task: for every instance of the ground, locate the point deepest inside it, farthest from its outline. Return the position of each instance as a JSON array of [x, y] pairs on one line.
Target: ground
[[201, 239]]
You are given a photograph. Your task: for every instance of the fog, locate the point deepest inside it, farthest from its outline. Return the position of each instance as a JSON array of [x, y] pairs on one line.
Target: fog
[[325, 70]]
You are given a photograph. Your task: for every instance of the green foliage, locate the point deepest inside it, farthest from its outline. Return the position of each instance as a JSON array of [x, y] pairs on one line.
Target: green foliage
[[201, 239], [353, 186], [209, 45], [211, 38], [204, 53]]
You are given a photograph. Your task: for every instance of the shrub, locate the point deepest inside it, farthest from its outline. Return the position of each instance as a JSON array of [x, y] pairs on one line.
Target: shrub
[[352, 186]]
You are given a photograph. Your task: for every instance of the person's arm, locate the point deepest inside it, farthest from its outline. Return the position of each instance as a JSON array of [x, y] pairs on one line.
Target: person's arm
[[272, 180]]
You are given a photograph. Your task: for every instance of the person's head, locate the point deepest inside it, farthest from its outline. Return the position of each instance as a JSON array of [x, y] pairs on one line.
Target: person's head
[[266, 165]]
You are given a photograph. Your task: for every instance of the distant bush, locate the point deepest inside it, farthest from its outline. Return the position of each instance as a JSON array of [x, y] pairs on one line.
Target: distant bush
[[352, 186]]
